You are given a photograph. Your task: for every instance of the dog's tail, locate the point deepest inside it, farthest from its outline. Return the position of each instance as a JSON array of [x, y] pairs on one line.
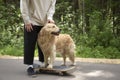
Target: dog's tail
[[72, 48], [72, 52]]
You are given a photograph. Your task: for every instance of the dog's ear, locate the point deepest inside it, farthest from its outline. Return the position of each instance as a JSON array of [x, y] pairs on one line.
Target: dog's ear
[[46, 25], [43, 32]]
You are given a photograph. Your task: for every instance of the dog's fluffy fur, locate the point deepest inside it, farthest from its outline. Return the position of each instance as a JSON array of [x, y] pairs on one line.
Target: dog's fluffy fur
[[51, 42]]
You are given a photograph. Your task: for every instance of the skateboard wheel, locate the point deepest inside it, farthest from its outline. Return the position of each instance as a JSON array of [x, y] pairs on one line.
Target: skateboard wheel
[[61, 74], [36, 72]]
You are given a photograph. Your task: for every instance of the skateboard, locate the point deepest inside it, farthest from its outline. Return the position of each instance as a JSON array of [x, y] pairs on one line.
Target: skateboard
[[61, 70]]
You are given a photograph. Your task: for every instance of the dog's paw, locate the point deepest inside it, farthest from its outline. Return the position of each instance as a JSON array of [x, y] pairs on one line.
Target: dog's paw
[[50, 66], [42, 64], [74, 64], [63, 64]]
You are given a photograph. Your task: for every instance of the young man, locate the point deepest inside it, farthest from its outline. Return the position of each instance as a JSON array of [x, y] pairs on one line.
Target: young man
[[35, 13]]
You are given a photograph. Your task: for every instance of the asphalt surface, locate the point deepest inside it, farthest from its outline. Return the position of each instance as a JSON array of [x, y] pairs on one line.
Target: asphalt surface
[[14, 69]]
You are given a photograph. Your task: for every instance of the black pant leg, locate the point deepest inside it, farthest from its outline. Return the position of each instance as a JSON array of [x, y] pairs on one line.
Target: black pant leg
[[29, 46], [30, 39], [40, 53]]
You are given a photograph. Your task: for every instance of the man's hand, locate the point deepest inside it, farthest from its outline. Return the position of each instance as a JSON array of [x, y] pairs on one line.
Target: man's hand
[[50, 21], [28, 27]]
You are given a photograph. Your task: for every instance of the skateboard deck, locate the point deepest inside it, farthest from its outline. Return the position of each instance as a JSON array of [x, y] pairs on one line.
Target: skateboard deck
[[61, 70]]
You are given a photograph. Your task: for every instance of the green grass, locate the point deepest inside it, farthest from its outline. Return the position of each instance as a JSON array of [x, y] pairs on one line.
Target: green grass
[[98, 52], [12, 51], [81, 51]]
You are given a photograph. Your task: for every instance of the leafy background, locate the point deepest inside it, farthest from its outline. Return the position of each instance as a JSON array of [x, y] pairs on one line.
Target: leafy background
[[93, 24]]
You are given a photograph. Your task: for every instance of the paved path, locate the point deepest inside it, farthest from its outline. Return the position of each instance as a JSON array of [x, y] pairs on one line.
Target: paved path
[[13, 69]]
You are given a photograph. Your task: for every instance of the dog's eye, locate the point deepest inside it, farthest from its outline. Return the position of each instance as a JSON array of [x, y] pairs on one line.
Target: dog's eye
[[53, 26]]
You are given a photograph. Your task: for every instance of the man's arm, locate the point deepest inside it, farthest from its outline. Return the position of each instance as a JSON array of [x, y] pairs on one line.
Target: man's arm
[[24, 4], [51, 11], [24, 10]]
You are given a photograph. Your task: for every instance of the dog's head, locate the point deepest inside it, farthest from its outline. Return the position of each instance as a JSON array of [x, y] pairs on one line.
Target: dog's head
[[51, 29]]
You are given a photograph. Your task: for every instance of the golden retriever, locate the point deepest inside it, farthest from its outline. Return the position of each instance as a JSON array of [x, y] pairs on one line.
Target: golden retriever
[[51, 42]]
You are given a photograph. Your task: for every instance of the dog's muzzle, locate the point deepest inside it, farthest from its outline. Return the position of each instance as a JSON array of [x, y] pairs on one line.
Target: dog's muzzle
[[56, 33]]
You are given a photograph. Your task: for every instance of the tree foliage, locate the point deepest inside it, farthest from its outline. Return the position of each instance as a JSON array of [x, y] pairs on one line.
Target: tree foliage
[[11, 35], [93, 24]]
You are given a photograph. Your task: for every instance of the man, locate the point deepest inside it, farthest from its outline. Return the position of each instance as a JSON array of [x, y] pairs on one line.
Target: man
[[35, 13]]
